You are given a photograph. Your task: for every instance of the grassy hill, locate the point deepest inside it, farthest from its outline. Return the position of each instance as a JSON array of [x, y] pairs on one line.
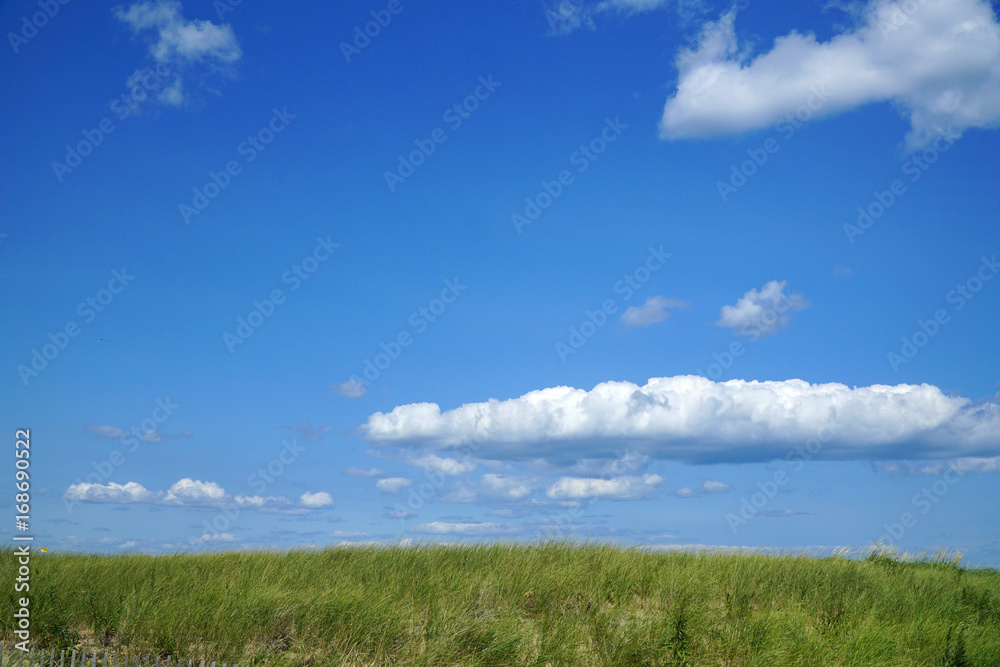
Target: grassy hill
[[544, 604]]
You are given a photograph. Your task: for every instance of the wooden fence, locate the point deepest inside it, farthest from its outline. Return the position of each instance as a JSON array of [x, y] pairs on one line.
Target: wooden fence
[[10, 657]]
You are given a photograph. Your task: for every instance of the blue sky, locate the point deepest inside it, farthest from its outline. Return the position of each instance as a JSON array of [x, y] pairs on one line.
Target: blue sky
[[645, 271]]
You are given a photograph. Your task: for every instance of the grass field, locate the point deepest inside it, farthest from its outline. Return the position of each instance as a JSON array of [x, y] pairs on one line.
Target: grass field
[[545, 604]]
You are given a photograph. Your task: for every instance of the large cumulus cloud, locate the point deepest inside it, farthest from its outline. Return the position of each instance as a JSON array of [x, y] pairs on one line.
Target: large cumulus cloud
[[693, 419], [937, 61]]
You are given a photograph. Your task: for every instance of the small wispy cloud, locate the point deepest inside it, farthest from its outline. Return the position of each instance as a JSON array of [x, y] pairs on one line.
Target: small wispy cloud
[[508, 487], [710, 486], [354, 471], [962, 466], [316, 500], [625, 487], [393, 484], [842, 271], [446, 528], [350, 389], [651, 312], [180, 46], [218, 537], [568, 16], [105, 431], [309, 432]]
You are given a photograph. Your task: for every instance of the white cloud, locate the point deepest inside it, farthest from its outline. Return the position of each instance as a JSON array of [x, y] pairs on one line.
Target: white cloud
[[617, 488], [218, 537], [759, 313], [131, 492], [690, 418], [568, 16], [350, 389], [152, 436], [962, 466], [106, 431], [506, 486], [939, 65], [445, 528], [460, 494], [257, 502], [316, 500], [348, 533], [708, 486], [354, 471], [179, 38], [715, 487], [177, 44], [173, 95], [360, 544], [445, 466], [638, 5], [191, 493], [393, 484], [194, 492], [651, 312]]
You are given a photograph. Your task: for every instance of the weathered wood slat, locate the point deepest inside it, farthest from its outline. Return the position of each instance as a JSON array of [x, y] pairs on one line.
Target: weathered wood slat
[[13, 657]]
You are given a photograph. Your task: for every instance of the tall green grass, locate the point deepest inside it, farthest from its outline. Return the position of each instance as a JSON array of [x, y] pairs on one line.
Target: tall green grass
[[555, 603]]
